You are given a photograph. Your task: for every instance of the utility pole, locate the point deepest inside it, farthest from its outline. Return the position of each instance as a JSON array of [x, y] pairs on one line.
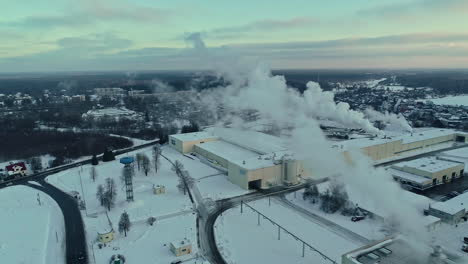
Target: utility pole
[[82, 193]]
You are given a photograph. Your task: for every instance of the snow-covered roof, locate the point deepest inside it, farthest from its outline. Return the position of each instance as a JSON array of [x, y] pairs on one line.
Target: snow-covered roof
[[257, 141], [194, 136], [452, 206], [181, 243], [461, 152], [263, 161], [111, 111], [405, 139], [428, 164], [408, 176], [227, 150]]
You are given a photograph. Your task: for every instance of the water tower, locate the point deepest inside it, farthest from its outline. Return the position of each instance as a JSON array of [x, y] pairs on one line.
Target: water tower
[[128, 175]]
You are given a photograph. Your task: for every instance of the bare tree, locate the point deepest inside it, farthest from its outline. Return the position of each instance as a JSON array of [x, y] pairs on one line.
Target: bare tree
[[109, 194], [100, 194], [185, 182], [139, 159], [124, 223], [146, 164], [178, 167], [156, 157], [36, 164], [93, 173]]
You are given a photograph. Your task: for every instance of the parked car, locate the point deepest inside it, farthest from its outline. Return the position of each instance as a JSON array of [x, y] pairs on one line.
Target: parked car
[[465, 247], [357, 218], [453, 194]]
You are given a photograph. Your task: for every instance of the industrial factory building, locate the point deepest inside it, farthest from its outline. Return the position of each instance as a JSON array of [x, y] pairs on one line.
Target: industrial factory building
[[425, 173], [253, 160], [256, 160], [380, 149]]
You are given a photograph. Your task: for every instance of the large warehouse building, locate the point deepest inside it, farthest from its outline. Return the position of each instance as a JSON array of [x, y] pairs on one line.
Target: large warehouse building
[[381, 149], [253, 160], [256, 160]]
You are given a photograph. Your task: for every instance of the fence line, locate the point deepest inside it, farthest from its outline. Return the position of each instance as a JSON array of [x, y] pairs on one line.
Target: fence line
[[304, 244]]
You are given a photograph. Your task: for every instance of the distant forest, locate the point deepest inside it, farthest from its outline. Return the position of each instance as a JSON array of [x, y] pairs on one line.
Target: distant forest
[[444, 81], [63, 145]]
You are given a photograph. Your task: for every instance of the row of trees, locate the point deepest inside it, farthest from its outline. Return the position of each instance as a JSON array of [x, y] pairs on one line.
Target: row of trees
[[144, 162], [185, 180]]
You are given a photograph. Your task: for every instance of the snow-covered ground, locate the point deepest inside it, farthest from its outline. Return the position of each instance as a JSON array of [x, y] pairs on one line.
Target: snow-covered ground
[[371, 229], [242, 240], [175, 218], [149, 244], [451, 100], [451, 236], [219, 187], [172, 204], [30, 233]]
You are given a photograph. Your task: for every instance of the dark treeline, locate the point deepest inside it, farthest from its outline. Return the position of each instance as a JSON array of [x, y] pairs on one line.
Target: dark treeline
[[66, 145], [444, 81]]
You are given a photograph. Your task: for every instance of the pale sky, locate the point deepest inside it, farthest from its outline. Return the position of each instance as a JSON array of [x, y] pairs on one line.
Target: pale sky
[[131, 35]]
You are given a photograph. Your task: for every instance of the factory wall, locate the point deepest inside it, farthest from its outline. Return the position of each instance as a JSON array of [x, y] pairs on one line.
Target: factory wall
[[211, 156], [392, 148], [187, 146], [238, 176], [438, 175]]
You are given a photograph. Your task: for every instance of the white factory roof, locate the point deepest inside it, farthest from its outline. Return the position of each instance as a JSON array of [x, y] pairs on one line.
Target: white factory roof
[[428, 164], [407, 138], [262, 161], [227, 150], [408, 176], [193, 136], [461, 152], [256, 141], [453, 205]]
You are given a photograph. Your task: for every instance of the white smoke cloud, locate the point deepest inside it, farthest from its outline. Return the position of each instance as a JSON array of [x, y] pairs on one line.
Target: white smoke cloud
[[392, 121], [286, 107], [159, 86]]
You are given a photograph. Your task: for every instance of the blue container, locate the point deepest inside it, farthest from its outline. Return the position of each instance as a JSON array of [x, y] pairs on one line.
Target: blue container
[[127, 160]]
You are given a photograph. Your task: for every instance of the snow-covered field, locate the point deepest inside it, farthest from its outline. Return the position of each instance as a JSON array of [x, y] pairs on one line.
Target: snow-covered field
[[451, 236], [30, 233], [451, 100], [242, 240], [149, 244], [173, 210], [145, 204]]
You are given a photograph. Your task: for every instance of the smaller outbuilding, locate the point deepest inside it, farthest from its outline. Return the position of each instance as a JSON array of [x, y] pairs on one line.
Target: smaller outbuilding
[[159, 189], [451, 211], [107, 237], [180, 248], [427, 172]]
